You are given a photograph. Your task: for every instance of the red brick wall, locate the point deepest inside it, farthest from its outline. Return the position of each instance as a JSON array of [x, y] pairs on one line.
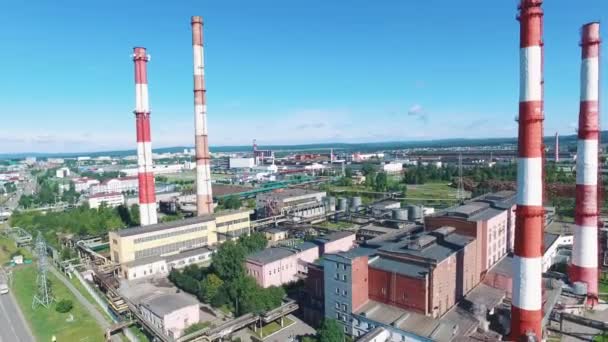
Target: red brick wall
[[463, 227], [394, 289], [359, 280], [444, 284]]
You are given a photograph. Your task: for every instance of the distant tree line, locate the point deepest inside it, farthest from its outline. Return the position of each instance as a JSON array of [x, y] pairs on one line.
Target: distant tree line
[[81, 221], [226, 283]]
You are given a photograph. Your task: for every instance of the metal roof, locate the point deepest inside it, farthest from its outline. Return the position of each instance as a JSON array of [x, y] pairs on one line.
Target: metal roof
[[434, 246], [188, 253], [335, 236], [164, 304], [269, 255], [400, 267], [165, 225], [439, 330]]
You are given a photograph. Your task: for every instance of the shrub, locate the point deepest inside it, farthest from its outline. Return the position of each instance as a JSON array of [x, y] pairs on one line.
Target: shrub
[[64, 306]]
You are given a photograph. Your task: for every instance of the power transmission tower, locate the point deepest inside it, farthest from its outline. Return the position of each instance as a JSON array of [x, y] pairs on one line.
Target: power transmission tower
[[460, 193], [43, 295]]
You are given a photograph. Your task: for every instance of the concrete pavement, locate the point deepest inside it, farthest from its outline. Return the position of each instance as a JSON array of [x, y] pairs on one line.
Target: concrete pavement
[[12, 323]]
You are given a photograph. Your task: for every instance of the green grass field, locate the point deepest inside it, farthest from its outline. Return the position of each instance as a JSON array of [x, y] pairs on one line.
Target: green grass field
[[431, 190], [8, 247], [46, 322], [273, 327], [335, 225]]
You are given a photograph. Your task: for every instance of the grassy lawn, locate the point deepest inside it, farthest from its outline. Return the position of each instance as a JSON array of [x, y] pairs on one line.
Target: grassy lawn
[[78, 285], [431, 190], [273, 327], [604, 288], [139, 334], [7, 247], [47, 322]]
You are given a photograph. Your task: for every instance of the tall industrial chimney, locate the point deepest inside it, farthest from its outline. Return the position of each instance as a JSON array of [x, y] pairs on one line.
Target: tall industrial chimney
[[147, 197], [556, 147], [204, 197], [526, 309], [585, 248]]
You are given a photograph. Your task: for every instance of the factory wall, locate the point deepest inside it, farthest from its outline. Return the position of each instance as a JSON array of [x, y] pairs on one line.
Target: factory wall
[[399, 290]]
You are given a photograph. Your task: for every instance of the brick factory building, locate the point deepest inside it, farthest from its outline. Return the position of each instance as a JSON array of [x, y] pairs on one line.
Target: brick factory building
[[428, 274], [490, 219]]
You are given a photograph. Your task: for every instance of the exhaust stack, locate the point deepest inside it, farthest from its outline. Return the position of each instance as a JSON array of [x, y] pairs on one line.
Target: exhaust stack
[[556, 147], [204, 197], [526, 309], [145, 174], [585, 248]]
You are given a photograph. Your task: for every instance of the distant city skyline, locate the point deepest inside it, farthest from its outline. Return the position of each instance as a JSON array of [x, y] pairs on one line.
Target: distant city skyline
[[280, 72]]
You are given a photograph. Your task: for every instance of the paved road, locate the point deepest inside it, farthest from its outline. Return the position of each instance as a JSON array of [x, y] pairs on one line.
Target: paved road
[[12, 323]]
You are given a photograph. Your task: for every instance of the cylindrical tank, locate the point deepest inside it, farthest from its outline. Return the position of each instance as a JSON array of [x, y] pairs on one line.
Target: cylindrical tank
[[331, 202], [342, 204], [579, 288], [400, 214], [355, 203], [414, 213]]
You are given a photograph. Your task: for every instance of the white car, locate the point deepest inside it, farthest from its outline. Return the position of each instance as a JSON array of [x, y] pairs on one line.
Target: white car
[[3, 289]]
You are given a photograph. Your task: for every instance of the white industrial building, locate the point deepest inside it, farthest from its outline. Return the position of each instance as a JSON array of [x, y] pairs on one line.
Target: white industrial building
[[62, 172], [113, 199], [160, 169], [241, 163], [122, 184], [392, 168], [84, 183]]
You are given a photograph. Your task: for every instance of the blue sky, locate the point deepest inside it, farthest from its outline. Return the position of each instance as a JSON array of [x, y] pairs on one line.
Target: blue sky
[[279, 71]]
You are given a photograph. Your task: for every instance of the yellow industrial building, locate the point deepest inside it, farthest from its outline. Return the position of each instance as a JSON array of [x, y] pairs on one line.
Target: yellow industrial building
[[148, 247]]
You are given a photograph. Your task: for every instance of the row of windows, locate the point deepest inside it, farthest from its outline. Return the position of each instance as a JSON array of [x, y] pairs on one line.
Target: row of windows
[[337, 276], [171, 247], [171, 234], [232, 234], [227, 223], [344, 292]]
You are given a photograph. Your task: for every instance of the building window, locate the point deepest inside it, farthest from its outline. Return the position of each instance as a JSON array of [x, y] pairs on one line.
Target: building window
[[344, 308], [337, 290], [344, 266], [338, 316], [345, 329], [344, 292], [337, 305], [344, 277]]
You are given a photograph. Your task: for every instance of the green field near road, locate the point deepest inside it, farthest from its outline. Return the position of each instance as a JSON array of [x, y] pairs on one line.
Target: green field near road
[[430, 191], [8, 247], [46, 322]]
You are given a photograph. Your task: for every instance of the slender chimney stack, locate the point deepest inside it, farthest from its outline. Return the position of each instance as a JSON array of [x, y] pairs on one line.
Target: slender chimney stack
[[556, 147], [145, 174], [585, 248], [204, 197], [526, 309]]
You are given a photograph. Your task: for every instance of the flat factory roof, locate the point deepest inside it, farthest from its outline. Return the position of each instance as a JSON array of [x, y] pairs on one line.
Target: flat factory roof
[[429, 246], [165, 225], [164, 304], [272, 254], [404, 268], [439, 330]]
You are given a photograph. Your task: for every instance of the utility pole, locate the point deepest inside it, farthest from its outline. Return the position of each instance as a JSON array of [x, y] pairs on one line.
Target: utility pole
[[43, 295]]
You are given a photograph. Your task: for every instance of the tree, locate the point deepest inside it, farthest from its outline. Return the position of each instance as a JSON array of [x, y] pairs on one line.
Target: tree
[[370, 180], [254, 242], [381, 184], [64, 306], [228, 261], [330, 331], [230, 202], [348, 172], [210, 286], [134, 211], [368, 168]]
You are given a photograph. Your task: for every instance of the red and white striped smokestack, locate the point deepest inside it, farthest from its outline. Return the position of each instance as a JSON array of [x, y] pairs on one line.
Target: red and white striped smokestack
[[147, 198], [585, 248], [556, 147], [526, 309], [204, 197]]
